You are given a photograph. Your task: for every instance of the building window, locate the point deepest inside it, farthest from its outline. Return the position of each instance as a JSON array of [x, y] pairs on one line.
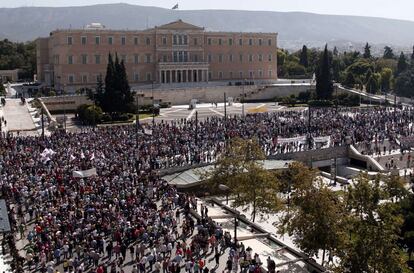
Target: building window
[[148, 58], [180, 40], [240, 42], [209, 75], [98, 77], [97, 40], [241, 58], [71, 78], [260, 73], [260, 42], [195, 41], [136, 77], [185, 56], [123, 40], [270, 73], [270, 57], [70, 59], [97, 59], [251, 74], [70, 40], [135, 40], [231, 57], [210, 58], [136, 59], [209, 41], [164, 40], [56, 59], [250, 58], [124, 58], [195, 58], [220, 41], [148, 41], [149, 76], [110, 40], [250, 42], [84, 79], [260, 57], [84, 59], [269, 42], [185, 39], [175, 56], [241, 74], [83, 40], [220, 75], [164, 58], [220, 58], [231, 75], [231, 41], [175, 40]]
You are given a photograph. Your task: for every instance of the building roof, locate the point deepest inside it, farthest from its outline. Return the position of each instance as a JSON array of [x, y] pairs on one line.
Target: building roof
[[179, 24], [193, 177]]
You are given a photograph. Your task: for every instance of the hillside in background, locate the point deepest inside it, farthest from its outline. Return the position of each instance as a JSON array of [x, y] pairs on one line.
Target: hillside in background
[[294, 28]]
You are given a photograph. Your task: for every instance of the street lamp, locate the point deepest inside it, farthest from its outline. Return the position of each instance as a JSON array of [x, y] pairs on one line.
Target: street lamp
[[244, 96], [153, 104]]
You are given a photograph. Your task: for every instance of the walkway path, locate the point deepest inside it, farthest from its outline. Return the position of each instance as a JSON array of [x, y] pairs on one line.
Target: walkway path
[[18, 117]]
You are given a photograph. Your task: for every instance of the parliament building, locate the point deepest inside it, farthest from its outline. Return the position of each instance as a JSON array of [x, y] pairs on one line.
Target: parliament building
[[177, 52]]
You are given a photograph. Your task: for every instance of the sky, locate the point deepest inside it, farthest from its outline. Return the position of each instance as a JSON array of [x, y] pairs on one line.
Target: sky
[[397, 9]]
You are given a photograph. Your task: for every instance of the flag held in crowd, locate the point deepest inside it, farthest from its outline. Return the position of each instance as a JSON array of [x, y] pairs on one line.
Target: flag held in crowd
[[175, 7]]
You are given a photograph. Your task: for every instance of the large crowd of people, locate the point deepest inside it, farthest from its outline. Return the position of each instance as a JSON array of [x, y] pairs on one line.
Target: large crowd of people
[[127, 210]]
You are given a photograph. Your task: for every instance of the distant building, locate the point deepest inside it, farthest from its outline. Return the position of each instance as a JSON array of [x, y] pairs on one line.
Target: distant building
[[9, 75], [177, 52]]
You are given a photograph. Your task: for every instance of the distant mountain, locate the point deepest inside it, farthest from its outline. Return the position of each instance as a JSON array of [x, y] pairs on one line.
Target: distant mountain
[[294, 28]]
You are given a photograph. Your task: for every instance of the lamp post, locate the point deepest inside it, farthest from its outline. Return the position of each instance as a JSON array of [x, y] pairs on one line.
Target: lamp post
[[244, 96], [153, 104], [137, 120], [226, 189]]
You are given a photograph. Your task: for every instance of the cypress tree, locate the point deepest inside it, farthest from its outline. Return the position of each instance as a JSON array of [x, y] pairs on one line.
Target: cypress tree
[[304, 57], [125, 89], [412, 59], [324, 84], [367, 51], [108, 97], [402, 64]]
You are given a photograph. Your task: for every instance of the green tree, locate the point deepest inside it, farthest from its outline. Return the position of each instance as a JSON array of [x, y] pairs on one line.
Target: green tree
[[386, 79], [335, 51], [324, 84], [404, 84], [402, 64], [316, 218], [239, 168], [349, 80], [412, 59], [373, 230], [388, 53], [98, 95], [304, 56], [110, 93], [367, 51], [407, 229]]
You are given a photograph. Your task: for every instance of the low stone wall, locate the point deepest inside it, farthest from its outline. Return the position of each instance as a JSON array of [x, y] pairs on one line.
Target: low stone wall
[[314, 155], [68, 103]]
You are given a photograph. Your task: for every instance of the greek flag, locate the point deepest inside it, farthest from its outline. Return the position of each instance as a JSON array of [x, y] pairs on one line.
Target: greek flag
[[175, 7]]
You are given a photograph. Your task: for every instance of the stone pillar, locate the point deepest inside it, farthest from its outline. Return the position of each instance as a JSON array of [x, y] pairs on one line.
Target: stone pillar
[[190, 74], [159, 76], [176, 74]]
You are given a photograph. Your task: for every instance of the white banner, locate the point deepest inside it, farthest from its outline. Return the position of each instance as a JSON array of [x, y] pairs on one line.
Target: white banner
[[322, 139], [292, 139], [148, 132], [86, 173]]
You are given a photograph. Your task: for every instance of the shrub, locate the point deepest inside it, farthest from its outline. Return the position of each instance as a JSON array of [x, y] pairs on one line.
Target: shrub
[[320, 103]]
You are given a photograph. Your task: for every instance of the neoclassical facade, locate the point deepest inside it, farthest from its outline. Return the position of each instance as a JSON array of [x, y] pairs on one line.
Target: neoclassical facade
[[177, 52]]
